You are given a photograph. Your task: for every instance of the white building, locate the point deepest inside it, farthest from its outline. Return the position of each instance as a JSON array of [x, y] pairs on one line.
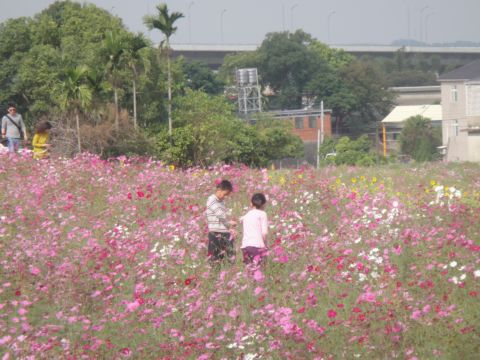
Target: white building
[[460, 91], [395, 121]]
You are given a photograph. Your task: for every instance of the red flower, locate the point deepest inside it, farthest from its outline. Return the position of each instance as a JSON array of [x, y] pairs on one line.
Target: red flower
[[340, 306], [356, 310], [188, 281], [301, 310], [18, 293], [331, 313], [140, 194], [129, 196]]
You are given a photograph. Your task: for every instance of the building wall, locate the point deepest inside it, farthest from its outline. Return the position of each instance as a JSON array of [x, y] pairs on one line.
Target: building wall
[[474, 147], [307, 132], [454, 106]]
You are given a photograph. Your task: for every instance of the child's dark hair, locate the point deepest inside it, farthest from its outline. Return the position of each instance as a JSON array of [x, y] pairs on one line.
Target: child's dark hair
[[42, 127], [225, 185], [258, 200]]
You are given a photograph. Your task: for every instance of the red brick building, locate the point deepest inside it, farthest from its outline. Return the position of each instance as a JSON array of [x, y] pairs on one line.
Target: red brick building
[[306, 123]]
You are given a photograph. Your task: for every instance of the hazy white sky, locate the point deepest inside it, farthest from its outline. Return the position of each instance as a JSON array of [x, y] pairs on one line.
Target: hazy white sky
[[247, 21]]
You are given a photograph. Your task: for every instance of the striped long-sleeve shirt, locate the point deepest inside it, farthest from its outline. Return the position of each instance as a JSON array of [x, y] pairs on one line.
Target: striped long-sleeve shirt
[[216, 215]]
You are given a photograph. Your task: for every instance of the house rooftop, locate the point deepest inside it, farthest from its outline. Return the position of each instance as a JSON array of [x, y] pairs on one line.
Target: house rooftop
[[401, 113], [467, 72]]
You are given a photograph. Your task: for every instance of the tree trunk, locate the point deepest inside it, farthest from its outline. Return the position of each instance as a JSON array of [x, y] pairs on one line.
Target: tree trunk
[[117, 126], [77, 119], [134, 83], [169, 95]]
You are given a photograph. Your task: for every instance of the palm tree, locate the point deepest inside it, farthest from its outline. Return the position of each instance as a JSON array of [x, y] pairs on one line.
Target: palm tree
[[164, 21], [76, 95], [134, 57], [115, 47]]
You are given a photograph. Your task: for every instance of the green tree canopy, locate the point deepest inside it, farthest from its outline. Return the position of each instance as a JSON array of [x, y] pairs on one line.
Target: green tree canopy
[[419, 139]]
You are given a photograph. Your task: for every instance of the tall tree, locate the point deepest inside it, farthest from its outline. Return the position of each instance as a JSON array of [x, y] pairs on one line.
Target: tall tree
[[75, 95], [115, 46], [164, 21], [134, 59]]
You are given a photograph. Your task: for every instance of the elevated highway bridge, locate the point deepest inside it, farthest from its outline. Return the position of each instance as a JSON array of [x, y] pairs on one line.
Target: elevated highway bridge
[[214, 54]]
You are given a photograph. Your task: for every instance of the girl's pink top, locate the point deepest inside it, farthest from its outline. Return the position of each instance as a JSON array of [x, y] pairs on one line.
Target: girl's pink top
[[255, 228]]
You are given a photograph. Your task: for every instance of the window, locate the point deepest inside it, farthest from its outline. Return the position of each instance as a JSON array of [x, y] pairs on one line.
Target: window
[[454, 93], [455, 127], [312, 122], [299, 123]]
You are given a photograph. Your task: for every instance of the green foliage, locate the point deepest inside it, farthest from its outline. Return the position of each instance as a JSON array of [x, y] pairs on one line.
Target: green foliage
[[207, 132], [294, 65], [406, 70], [36, 53], [74, 91], [276, 141], [348, 152], [419, 139], [198, 76], [163, 21]]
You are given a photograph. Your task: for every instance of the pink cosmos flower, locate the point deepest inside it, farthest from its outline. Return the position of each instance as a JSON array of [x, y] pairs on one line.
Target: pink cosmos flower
[[258, 275], [133, 306], [331, 313], [34, 270], [417, 314], [367, 297]]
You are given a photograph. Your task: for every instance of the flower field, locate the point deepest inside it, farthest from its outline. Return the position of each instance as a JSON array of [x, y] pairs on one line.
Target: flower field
[[107, 260]]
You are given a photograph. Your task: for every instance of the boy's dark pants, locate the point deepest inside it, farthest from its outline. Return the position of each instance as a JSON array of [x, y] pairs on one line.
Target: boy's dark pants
[[220, 247]]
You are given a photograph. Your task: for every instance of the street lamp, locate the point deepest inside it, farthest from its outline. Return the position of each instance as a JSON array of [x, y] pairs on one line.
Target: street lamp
[[421, 21], [291, 15], [221, 25], [328, 24], [190, 21], [408, 19], [426, 25]]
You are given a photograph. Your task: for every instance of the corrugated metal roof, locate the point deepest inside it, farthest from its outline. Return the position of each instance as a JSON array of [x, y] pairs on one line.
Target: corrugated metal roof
[[401, 113]]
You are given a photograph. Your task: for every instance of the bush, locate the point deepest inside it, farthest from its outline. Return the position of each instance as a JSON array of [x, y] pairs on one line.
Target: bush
[[419, 139], [348, 152]]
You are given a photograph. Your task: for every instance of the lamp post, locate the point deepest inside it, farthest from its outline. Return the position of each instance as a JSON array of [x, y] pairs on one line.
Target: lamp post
[[328, 25], [190, 21], [292, 8], [421, 21], [221, 25], [426, 25], [408, 19]]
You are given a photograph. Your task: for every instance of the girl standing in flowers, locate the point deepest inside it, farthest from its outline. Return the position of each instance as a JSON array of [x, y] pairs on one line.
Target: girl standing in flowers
[[255, 230], [40, 140]]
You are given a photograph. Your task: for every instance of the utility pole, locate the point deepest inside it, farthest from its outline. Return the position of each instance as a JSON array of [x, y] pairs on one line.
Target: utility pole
[[221, 25], [320, 134], [328, 25], [190, 21]]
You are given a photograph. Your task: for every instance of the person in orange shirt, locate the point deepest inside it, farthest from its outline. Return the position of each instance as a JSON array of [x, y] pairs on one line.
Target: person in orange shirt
[[41, 139]]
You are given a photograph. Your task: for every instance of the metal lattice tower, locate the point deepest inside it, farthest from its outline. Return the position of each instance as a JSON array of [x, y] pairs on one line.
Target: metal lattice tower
[[249, 95]]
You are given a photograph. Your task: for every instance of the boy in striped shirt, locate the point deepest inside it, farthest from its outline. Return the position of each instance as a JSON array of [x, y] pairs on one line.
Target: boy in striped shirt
[[220, 241]]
